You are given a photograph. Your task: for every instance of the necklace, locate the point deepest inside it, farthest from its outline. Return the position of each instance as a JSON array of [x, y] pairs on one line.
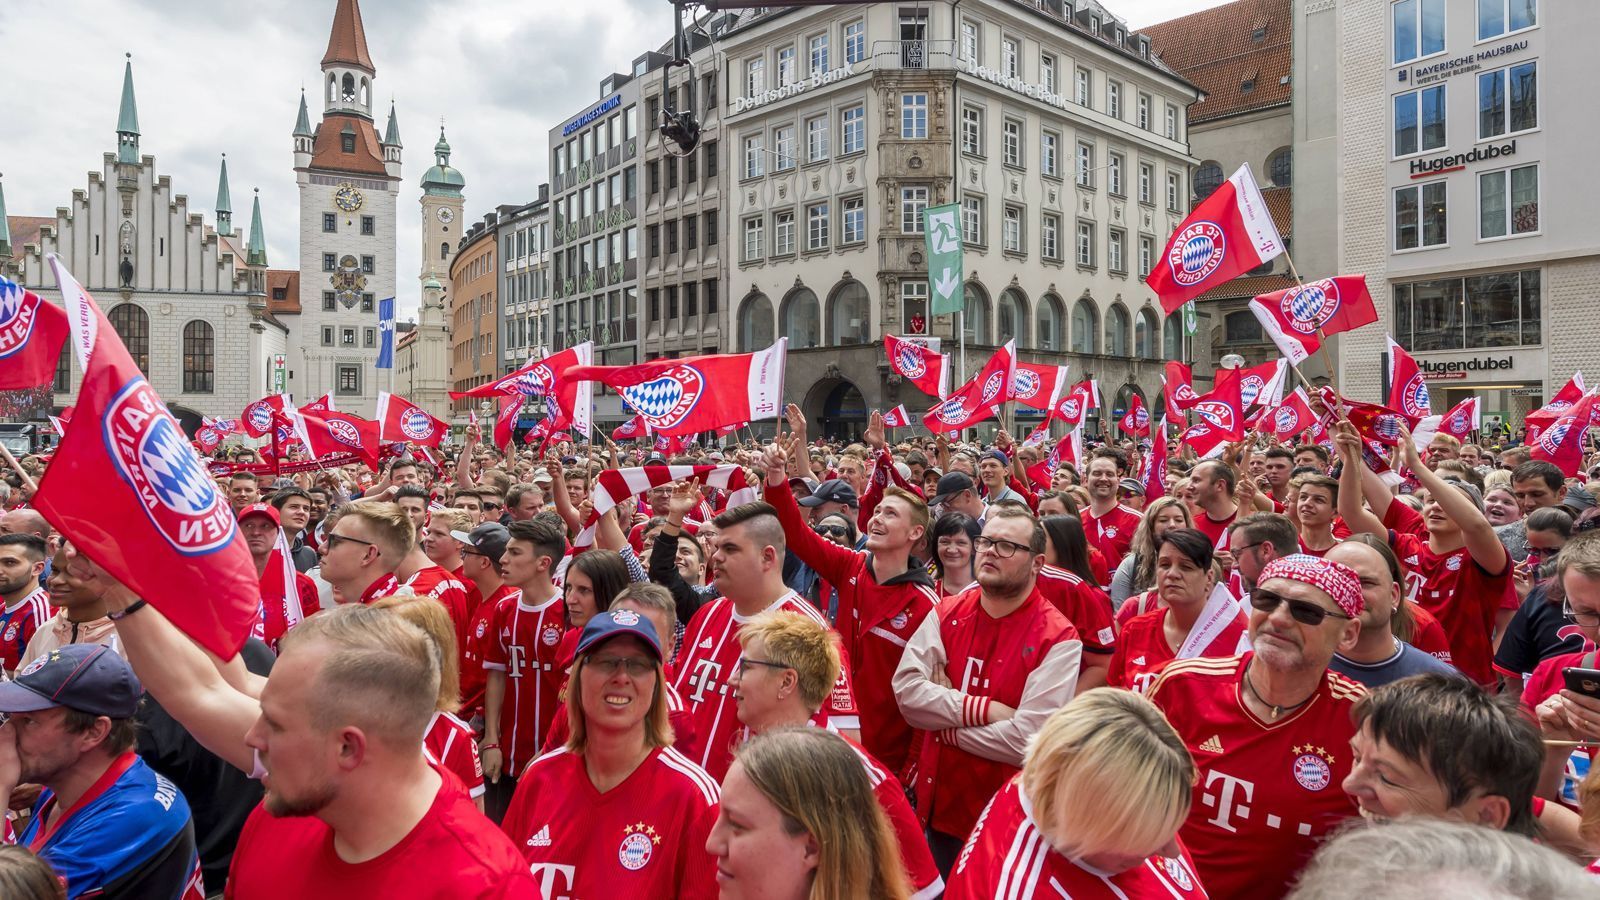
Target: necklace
[[1273, 710]]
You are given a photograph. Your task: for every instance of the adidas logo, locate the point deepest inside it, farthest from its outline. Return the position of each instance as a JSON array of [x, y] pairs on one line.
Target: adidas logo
[[542, 839], [1211, 745], [1411, 560], [705, 644], [1138, 660]]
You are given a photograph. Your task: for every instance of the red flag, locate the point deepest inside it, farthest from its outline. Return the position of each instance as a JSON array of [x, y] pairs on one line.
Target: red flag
[[1461, 420], [1206, 439], [401, 420], [565, 398], [633, 429], [257, 418], [32, 330], [698, 393], [1136, 421], [1293, 416], [336, 432], [1570, 393], [1228, 234], [1223, 407], [1178, 388], [538, 434], [728, 429], [1408, 389], [1038, 386], [669, 445], [1298, 318], [60, 423], [1562, 442], [505, 420], [897, 417], [1263, 385], [1083, 397], [977, 399], [918, 360], [129, 491], [1153, 471], [1038, 435], [320, 405], [1376, 424]]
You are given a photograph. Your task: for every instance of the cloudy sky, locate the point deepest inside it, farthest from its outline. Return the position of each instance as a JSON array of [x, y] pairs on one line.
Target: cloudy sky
[[215, 78]]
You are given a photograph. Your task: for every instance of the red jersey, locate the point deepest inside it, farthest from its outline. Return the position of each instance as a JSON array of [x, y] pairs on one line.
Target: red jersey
[[1461, 594], [1215, 529], [646, 837], [678, 717], [1085, 606], [452, 853], [1027, 659], [1111, 533], [914, 852], [438, 583], [478, 634], [1428, 635], [1267, 792], [1007, 856], [449, 745], [1143, 650], [19, 623], [707, 659], [525, 643]]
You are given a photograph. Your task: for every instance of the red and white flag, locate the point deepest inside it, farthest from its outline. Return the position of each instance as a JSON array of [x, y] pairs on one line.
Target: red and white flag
[[1291, 417], [60, 423], [257, 418], [320, 405], [631, 430], [1541, 418], [669, 445], [1561, 442], [897, 417], [1207, 440], [977, 399], [32, 330], [1263, 385], [335, 432], [1136, 421], [567, 400], [1228, 234], [131, 494], [1038, 435], [401, 420], [505, 419], [1153, 470], [1038, 386], [1223, 407], [1298, 318], [1375, 423], [918, 360], [1461, 420], [612, 486], [278, 586], [1071, 409], [1179, 387], [1408, 388], [698, 393]]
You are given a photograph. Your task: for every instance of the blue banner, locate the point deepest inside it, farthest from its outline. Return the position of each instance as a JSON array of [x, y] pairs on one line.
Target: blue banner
[[386, 333]]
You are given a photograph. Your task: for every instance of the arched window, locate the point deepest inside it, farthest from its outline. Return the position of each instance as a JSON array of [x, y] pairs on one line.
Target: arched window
[[1280, 167], [333, 88], [1172, 337], [1144, 335], [365, 92], [1243, 327], [444, 250], [1117, 331], [976, 316], [1047, 322], [755, 323], [1013, 318], [199, 357], [802, 319], [132, 324], [1207, 179], [849, 317], [1085, 321], [349, 93]]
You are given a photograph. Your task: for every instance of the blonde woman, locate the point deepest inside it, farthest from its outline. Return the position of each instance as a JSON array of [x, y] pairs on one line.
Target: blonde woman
[[1137, 571], [1094, 812], [798, 822]]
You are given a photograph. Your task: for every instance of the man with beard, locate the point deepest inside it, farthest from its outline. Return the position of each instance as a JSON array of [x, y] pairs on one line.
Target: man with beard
[[320, 506], [27, 605], [78, 595], [105, 821], [1107, 524]]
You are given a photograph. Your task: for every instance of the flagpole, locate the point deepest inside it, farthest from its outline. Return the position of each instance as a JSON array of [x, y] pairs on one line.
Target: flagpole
[[1322, 346]]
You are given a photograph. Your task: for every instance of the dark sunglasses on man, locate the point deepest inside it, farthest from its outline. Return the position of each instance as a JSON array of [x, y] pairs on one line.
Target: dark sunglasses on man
[[1303, 611]]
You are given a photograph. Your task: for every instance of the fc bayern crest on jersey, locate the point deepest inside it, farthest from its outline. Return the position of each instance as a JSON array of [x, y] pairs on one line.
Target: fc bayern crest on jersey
[[899, 621], [416, 424], [1197, 252], [635, 852], [18, 311], [344, 432], [910, 359], [151, 454], [551, 636], [1416, 399], [1551, 439], [1176, 871], [667, 399], [1026, 384], [1309, 307], [1217, 413], [260, 415], [1311, 770]]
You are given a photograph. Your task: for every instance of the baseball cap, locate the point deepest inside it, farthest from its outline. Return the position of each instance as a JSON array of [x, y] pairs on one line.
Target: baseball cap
[[616, 623], [951, 485], [996, 455], [261, 509], [489, 539], [1132, 486], [799, 481], [834, 490], [656, 459], [89, 678], [541, 477]]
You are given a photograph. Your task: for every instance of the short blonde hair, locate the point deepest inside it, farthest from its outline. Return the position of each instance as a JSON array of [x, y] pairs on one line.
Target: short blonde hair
[[1448, 440], [454, 519], [391, 528], [804, 645], [1107, 773], [431, 616], [382, 677], [919, 506]]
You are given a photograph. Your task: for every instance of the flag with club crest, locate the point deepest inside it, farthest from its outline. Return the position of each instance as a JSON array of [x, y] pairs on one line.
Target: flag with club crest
[[1298, 318], [1263, 385], [320, 405], [1083, 397], [1178, 385], [401, 420], [1038, 386], [978, 399], [1541, 418], [1136, 421], [1375, 423], [1562, 441], [897, 417], [568, 400], [32, 330], [1408, 387], [1462, 419], [682, 397], [1228, 234], [1223, 406], [1291, 417], [333, 433], [918, 360], [257, 418], [1153, 469], [631, 430]]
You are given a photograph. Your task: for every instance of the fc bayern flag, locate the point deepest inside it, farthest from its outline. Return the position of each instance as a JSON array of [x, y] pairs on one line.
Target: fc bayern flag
[[1376, 424], [1179, 387], [1293, 416], [897, 417], [1038, 386], [257, 418], [573, 400], [1153, 471], [1570, 393], [978, 398], [918, 360], [334, 432], [1461, 420], [32, 330], [1408, 388], [1562, 441], [401, 420], [130, 493], [505, 419], [1298, 318], [1136, 421], [1083, 397], [631, 430], [320, 405], [1263, 385], [1228, 234], [1223, 407], [680, 397]]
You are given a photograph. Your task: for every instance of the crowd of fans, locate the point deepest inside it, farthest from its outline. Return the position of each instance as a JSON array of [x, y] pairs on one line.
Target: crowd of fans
[[864, 669]]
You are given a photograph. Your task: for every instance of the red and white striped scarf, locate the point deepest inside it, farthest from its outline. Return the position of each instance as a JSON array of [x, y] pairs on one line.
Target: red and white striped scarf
[[615, 485]]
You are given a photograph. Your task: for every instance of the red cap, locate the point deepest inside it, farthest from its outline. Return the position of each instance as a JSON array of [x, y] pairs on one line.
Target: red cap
[[260, 509]]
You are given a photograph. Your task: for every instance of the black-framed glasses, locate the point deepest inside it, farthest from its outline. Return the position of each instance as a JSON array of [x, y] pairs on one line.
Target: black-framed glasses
[[1236, 551], [1002, 548], [1304, 611], [637, 666], [832, 530], [334, 540], [746, 662], [1586, 617]]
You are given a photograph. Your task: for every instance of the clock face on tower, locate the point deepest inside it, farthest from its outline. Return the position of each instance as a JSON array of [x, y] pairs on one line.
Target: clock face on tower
[[348, 198], [446, 215]]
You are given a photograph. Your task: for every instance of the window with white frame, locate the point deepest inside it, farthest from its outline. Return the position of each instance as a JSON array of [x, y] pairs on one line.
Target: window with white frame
[[1085, 165], [1419, 216], [1497, 17], [1508, 202], [1146, 176], [1174, 191], [1418, 28], [1084, 84], [817, 138], [1085, 243], [755, 76], [1114, 242], [972, 130], [1011, 230], [914, 305], [1050, 236], [755, 156], [969, 41], [783, 148], [817, 53], [1419, 123], [1010, 57], [913, 115], [1049, 153], [1147, 256], [754, 235], [1508, 100], [1113, 99], [817, 226], [1047, 72], [1144, 112], [853, 134], [1011, 142], [783, 233], [1114, 173], [853, 228], [855, 41], [972, 220], [913, 201], [786, 70], [1172, 122]]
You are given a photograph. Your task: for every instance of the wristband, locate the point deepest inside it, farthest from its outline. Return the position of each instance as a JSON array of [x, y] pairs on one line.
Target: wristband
[[133, 607], [484, 747]]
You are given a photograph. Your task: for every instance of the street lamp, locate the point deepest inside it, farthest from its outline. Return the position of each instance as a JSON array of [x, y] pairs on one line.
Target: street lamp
[[1232, 361]]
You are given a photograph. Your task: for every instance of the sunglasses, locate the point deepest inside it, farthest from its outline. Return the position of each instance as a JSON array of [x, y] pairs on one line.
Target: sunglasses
[[493, 507], [1303, 611], [832, 530], [334, 540]]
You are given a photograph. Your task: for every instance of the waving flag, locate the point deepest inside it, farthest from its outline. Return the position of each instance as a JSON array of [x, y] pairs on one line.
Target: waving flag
[[320, 405], [1461, 420], [1136, 421], [979, 398], [1223, 407], [1205, 439], [130, 493], [612, 486], [897, 417], [505, 419], [1039, 434], [1298, 318], [1541, 418], [60, 423], [1561, 442], [257, 418], [631, 430], [1376, 424], [335, 432], [1228, 234], [918, 360], [1038, 386], [1291, 417], [1179, 387], [32, 330], [698, 393], [401, 420], [1083, 397], [1408, 389], [567, 400], [1263, 385], [1153, 470]]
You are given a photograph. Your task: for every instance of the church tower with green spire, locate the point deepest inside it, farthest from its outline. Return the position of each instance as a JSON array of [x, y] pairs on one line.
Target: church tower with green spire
[[128, 119], [224, 202]]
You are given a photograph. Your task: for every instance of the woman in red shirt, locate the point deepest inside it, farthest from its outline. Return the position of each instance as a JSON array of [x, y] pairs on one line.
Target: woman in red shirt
[[1196, 618], [952, 539]]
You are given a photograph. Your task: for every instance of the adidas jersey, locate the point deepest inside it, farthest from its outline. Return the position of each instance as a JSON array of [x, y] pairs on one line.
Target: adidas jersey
[[707, 659], [1008, 857], [440, 584], [1084, 605], [1111, 533], [1143, 650], [646, 837], [18, 623], [479, 633], [914, 852], [1267, 792], [449, 745], [526, 646]]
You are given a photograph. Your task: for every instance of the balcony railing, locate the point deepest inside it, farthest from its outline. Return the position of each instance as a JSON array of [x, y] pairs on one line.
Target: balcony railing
[[890, 56]]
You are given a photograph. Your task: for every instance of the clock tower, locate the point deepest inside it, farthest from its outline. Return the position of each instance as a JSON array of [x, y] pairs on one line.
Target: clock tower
[[349, 180], [442, 223]]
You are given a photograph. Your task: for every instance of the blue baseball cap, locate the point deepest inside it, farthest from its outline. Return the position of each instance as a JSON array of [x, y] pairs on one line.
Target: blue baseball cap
[[89, 678], [616, 623]]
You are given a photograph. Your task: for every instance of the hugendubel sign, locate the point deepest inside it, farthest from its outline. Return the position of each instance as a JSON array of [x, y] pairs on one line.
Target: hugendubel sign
[[1455, 161]]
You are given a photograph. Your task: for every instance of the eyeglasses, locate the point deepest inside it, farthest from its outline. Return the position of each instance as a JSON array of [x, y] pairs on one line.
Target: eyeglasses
[[1237, 551], [493, 507], [637, 666], [832, 530], [1586, 617], [1303, 611], [334, 540], [1001, 548], [746, 662]]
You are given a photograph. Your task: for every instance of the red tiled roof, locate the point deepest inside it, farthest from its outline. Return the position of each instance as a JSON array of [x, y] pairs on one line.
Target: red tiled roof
[[1247, 286], [328, 151], [25, 230], [1280, 205], [1215, 49], [348, 42], [289, 281]]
